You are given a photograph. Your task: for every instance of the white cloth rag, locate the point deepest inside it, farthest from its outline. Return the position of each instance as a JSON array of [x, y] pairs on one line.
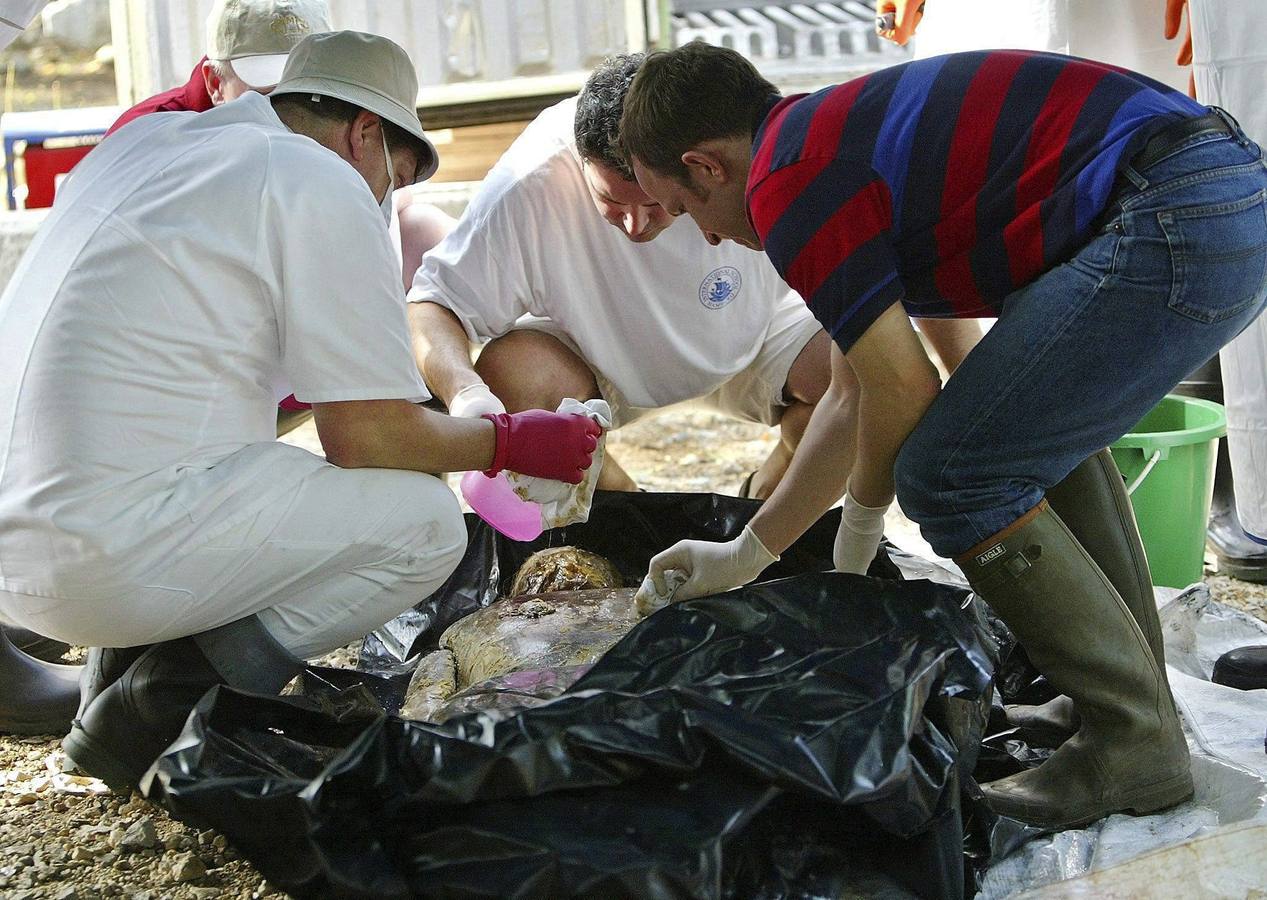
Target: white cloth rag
[[562, 503]]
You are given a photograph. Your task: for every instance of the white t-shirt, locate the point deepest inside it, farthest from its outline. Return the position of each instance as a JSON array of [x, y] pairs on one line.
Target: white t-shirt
[[664, 321], [196, 268]]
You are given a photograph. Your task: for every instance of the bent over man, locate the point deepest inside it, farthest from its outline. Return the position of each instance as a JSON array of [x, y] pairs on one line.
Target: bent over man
[[1117, 229], [195, 269]]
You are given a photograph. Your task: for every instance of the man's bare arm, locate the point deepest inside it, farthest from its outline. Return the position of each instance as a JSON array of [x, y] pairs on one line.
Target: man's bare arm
[[816, 476], [397, 434], [952, 339], [441, 349], [897, 383]]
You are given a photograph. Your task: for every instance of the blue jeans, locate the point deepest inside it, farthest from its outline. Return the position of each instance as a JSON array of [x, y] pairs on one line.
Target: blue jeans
[[1176, 269]]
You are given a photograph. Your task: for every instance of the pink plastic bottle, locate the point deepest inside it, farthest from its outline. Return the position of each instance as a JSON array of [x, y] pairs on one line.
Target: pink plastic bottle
[[496, 502]]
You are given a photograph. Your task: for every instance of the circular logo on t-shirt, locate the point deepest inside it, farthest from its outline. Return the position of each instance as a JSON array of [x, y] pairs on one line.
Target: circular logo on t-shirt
[[720, 286]]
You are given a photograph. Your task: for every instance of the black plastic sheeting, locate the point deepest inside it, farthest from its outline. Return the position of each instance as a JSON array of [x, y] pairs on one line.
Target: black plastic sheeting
[[627, 528], [759, 743]]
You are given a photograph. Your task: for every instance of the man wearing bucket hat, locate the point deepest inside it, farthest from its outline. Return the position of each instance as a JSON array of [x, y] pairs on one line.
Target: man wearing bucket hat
[[197, 269], [247, 44], [1115, 227]]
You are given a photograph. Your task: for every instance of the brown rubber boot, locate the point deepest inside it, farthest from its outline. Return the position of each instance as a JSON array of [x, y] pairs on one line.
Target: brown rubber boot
[[1129, 754], [1093, 503]]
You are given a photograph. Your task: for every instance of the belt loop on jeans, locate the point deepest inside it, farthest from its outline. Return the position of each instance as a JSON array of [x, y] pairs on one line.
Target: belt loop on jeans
[[1165, 142], [1229, 120]]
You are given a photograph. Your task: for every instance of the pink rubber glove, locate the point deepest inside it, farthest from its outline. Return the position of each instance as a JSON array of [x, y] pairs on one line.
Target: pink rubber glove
[[544, 444], [904, 15]]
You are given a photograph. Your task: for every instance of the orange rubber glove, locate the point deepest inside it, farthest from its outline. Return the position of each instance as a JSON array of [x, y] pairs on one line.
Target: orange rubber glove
[[1174, 16], [904, 15]]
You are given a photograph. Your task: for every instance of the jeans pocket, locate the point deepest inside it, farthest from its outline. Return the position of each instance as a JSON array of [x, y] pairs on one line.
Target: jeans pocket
[[1219, 257]]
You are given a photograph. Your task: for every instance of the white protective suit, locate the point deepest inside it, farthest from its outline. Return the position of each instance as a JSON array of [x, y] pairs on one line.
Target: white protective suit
[[1127, 33], [1229, 64], [195, 269]]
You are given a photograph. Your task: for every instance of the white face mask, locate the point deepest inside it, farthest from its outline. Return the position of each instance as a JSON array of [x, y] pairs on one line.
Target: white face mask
[[386, 203]]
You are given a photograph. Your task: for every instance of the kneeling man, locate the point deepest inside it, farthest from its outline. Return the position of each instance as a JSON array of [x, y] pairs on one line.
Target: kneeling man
[[196, 269]]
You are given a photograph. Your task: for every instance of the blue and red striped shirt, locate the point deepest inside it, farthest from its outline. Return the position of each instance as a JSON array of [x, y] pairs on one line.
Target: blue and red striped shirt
[[945, 183]]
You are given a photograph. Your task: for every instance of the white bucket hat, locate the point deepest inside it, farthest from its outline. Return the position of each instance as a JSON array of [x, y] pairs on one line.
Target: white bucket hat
[[256, 35], [366, 70]]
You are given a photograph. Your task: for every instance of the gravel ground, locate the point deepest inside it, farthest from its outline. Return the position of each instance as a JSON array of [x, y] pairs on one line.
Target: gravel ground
[[65, 836]]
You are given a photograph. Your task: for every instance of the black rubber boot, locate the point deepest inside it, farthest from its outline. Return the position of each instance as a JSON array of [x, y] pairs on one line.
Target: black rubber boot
[[1244, 668], [36, 697], [37, 645], [102, 668], [1238, 556], [129, 725]]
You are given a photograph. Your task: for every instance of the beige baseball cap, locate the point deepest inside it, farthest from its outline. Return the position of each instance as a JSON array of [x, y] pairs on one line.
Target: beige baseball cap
[[257, 35], [366, 70]]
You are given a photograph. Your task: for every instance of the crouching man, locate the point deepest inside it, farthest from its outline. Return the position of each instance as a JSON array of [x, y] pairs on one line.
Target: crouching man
[[195, 270], [584, 287]]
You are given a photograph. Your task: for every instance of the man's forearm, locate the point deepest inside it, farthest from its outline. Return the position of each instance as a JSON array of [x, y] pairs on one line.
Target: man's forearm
[[396, 434], [818, 472], [441, 349], [886, 418]]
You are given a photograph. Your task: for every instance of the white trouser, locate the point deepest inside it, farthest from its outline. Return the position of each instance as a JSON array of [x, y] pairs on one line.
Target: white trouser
[[344, 552], [1229, 47]]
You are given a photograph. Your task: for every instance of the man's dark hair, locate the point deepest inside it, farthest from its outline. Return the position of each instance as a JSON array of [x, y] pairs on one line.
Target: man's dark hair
[[681, 98], [598, 109], [333, 109]]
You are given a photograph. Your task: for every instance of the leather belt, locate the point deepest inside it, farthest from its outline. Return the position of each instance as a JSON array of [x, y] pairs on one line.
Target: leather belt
[[1169, 138], [1158, 147]]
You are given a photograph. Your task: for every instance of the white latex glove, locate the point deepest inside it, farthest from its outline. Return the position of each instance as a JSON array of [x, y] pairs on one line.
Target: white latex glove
[[475, 400], [647, 599], [861, 528], [709, 567]]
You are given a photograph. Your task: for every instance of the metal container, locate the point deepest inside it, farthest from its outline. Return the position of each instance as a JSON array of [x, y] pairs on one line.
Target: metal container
[[795, 45]]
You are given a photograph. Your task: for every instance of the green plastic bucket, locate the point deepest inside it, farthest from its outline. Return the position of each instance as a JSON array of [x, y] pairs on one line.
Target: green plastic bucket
[[1168, 462]]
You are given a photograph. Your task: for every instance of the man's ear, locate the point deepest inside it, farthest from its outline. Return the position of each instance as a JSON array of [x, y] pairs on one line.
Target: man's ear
[[363, 133], [211, 78], [705, 162]]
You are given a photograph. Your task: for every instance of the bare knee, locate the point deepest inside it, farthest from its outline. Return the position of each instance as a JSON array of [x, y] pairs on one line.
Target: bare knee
[[530, 369], [422, 226]]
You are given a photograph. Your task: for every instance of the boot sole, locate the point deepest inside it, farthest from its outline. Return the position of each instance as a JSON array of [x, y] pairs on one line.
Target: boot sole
[[1148, 799], [89, 757], [43, 726], [1254, 573]]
